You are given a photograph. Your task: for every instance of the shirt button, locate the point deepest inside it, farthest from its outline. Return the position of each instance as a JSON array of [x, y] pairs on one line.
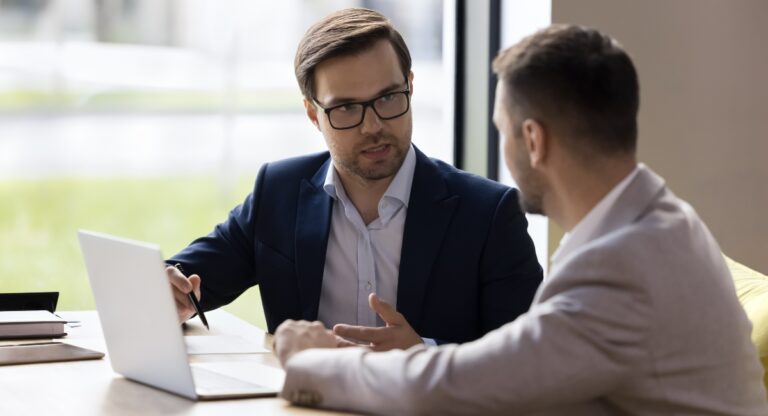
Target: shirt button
[[368, 286]]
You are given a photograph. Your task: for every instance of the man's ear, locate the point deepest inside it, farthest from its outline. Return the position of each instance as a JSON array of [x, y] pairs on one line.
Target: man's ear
[[311, 111], [410, 82], [536, 141]]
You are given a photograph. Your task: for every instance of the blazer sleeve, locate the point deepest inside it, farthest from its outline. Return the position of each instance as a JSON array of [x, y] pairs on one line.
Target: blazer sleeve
[[576, 346], [224, 259], [510, 271]]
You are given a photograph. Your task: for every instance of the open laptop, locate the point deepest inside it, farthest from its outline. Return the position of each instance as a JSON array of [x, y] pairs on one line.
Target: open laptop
[[144, 339]]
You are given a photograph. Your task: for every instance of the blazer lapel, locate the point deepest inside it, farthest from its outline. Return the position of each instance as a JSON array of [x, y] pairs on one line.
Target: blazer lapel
[[639, 194], [430, 210], [313, 219]]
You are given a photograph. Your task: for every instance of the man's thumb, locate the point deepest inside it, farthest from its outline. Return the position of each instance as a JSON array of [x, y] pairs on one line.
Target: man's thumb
[[387, 313]]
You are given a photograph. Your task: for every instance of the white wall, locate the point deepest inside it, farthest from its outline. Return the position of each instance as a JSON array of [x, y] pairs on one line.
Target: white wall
[[703, 67]]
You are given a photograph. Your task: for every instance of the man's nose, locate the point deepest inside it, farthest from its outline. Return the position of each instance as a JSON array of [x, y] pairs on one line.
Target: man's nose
[[371, 121]]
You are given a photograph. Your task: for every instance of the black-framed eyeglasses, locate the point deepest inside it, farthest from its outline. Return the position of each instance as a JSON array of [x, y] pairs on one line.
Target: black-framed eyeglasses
[[387, 106]]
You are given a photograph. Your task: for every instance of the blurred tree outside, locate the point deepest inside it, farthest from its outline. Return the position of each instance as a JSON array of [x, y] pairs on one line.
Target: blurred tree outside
[[149, 119], [39, 220]]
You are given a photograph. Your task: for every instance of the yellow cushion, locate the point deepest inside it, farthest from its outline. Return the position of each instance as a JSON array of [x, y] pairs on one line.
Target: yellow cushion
[[752, 289]]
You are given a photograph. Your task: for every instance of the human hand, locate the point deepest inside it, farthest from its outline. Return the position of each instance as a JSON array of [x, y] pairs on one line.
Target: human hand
[[292, 337], [396, 334], [181, 286]]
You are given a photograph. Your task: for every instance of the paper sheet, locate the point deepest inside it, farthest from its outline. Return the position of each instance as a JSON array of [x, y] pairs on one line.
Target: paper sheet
[[248, 370], [221, 344]]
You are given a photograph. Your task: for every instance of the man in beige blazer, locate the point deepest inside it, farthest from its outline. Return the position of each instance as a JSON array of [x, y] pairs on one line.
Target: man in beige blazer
[[639, 314]]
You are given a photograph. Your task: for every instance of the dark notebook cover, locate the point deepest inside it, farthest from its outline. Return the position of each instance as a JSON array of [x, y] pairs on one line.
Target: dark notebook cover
[[44, 301]]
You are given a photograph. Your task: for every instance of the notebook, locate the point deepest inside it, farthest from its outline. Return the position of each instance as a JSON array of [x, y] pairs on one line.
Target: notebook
[[30, 324], [144, 339]]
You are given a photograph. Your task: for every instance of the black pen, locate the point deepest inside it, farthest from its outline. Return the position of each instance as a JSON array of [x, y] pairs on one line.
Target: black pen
[[192, 298]]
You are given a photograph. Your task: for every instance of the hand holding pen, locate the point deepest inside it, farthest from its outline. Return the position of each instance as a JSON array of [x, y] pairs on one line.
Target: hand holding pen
[[186, 292]]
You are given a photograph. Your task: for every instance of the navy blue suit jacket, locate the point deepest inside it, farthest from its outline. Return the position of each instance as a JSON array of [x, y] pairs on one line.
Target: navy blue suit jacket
[[467, 265]]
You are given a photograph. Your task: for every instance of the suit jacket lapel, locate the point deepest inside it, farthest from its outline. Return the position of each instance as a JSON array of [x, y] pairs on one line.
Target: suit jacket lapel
[[633, 201], [430, 210], [313, 219]]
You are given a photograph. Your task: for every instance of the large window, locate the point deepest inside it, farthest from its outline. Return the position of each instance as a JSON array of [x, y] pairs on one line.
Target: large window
[[520, 18], [149, 119]]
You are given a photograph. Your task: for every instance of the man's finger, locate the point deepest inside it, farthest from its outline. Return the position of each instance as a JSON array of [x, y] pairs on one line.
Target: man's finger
[[183, 311], [343, 342], [387, 313], [360, 333], [195, 281], [178, 280], [182, 299], [382, 347]]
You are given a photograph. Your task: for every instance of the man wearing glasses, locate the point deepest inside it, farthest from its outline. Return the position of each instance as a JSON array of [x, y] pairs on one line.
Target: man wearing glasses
[[372, 238]]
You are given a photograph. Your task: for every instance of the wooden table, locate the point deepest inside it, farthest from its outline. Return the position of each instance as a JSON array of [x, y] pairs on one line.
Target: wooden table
[[91, 387]]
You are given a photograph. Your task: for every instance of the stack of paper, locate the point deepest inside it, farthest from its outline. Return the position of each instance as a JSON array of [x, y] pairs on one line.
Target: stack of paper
[[30, 324]]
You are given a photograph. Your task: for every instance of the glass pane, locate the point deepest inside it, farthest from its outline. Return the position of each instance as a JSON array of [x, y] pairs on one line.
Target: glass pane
[[520, 18], [149, 119]]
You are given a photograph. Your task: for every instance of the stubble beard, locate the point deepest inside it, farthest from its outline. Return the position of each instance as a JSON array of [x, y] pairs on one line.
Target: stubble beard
[[379, 170], [531, 187], [531, 203]]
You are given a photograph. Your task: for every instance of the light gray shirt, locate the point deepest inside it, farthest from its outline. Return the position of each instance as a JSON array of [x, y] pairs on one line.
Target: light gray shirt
[[363, 259]]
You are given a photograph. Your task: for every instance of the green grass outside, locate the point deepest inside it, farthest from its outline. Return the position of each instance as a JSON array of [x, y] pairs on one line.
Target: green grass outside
[[39, 220], [20, 101]]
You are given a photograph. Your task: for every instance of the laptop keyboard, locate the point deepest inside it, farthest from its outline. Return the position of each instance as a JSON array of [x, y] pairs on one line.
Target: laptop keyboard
[[212, 383]]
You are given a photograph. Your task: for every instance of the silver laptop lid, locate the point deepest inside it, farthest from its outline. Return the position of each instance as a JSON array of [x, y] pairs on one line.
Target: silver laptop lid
[[137, 311]]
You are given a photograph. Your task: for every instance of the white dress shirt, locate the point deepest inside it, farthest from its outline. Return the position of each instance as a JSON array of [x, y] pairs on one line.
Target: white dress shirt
[[363, 259], [582, 232]]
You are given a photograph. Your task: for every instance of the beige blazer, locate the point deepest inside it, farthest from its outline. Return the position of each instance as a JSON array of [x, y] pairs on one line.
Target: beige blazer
[[641, 320]]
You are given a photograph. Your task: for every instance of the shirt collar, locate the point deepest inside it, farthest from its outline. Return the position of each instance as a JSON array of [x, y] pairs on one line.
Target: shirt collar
[[399, 189], [583, 232]]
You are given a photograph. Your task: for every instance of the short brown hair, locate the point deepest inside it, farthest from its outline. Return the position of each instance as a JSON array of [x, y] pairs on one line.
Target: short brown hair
[[345, 32], [577, 80]]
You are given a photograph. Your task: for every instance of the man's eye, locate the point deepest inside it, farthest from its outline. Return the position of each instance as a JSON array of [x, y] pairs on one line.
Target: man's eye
[[345, 108], [388, 97]]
